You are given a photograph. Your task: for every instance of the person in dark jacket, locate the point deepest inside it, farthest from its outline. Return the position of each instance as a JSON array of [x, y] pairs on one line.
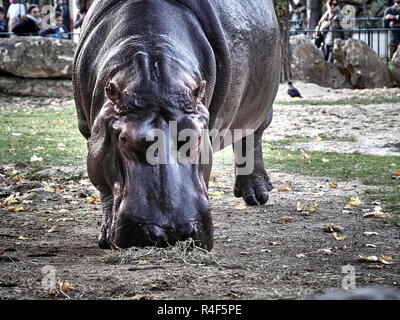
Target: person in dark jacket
[[62, 6], [3, 24], [57, 29], [31, 23], [391, 19]]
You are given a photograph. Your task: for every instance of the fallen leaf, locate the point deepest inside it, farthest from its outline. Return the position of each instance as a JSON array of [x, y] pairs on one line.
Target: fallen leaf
[[328, 252], [355, 202], [325, 160], [284, 219], [383, 259], [216, 193], [53, 229], [298, 206], [300, 255], [339, 238], [93, 199], [21, 238], [275, 243], [213, 178], [287, 188], [333, 228], [240, 206], [369, 258], [370, 233], [65, 285], [333, 185], [142, 262], [289, 156], [369, 245], [10, 200], [35, 158], [19, 208], [314, 208], [84, 182], [377, 213]]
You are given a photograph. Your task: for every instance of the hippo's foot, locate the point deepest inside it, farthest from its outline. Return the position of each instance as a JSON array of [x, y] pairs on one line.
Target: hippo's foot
[[253, 188]]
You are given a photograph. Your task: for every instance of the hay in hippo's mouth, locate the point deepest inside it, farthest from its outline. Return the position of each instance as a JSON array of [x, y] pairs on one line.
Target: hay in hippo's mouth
[[186, 251]]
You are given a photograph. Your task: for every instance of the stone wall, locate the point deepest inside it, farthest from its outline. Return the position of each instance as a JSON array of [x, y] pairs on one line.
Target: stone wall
[[36, 66]]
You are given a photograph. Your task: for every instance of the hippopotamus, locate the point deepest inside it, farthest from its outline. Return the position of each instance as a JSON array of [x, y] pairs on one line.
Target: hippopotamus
[[208, 67]]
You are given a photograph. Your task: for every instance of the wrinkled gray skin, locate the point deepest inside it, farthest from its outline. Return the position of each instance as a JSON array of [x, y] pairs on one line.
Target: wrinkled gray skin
[[140, 64]]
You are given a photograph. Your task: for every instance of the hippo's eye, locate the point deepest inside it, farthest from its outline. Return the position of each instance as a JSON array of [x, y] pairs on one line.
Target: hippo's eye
[[122, 138]]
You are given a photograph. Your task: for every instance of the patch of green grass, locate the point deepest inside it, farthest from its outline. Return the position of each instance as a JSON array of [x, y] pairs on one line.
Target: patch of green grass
[[50, 135], [344, 101], [369, 169], [289, 139]]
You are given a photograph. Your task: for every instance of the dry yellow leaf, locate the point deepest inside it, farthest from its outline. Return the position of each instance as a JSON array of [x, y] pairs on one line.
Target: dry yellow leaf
[[287, 188], [53, 229], [10, 200], [298, 206], [339, 238], [397, 173], [84, 182], [355, 202], [328, 252], [19, 208], [240, 206], [333, 185], [289, 156], [332, 228], [284, 219], [216, 193], [275, 243], [21, 238], [369, 258], [142, 262]]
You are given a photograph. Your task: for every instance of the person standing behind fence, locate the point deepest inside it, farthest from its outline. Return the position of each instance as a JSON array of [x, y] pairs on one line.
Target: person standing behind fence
[[391, 19], [331, 21], [62, 6], [3, 24], [57, 29], [31, 23], [15, 14]]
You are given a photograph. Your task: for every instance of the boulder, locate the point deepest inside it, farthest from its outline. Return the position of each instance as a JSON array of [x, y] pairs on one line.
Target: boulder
[[396, 65], [361, 65], [57, 88], [37, 57], [308, 65]]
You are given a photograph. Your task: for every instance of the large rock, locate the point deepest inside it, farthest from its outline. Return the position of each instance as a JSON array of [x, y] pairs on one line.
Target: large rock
[[37, 57], [308, 65], [361, 65], [57, 88], [396, 65]]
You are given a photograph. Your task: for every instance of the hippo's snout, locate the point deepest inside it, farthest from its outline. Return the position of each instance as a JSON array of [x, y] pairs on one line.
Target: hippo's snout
[[134, 231]]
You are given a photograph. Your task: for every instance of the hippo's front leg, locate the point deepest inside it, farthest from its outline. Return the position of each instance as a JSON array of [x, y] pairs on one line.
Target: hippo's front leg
[[252, 186]]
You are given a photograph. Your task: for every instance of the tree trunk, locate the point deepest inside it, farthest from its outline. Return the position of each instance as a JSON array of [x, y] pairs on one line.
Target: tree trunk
[[282, 12]]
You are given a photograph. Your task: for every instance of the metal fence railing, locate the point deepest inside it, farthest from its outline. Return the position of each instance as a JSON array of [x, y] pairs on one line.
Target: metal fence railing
[[377, 39], [357, 23], [63, 36]]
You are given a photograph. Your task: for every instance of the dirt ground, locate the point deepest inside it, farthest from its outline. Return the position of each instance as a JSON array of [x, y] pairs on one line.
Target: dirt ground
[[275, 251]]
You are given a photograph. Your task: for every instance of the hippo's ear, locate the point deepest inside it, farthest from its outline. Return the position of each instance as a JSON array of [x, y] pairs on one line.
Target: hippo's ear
[[199, 93], [114, 94]]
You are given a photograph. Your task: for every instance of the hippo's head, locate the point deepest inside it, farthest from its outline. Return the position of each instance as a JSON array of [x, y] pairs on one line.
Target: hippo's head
[[144, 157]]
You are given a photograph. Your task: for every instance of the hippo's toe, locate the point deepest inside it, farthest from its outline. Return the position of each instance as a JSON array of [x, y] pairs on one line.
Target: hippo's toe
[[253, 188]]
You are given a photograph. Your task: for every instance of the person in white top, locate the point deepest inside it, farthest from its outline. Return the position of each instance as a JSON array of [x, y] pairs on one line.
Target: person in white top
[[15, 14]]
